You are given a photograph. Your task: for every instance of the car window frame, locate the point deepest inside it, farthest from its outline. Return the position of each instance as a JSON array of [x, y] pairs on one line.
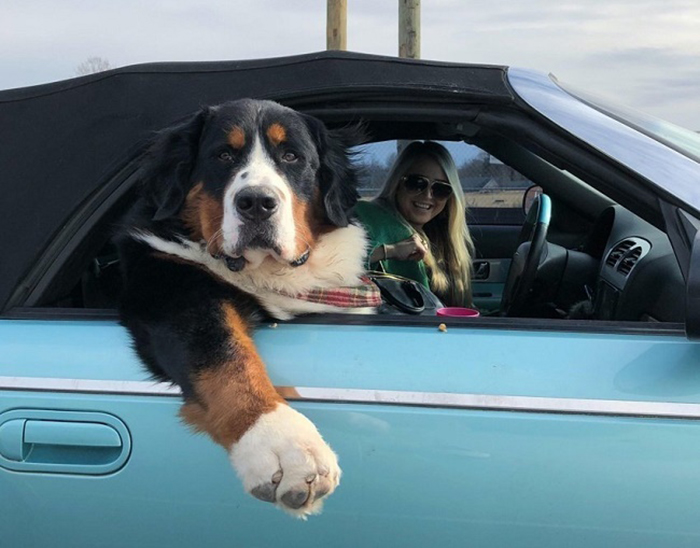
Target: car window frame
[[535, 136]]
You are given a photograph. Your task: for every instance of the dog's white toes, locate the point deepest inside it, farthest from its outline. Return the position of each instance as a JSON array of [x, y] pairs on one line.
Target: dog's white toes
[[283, 459], [295, 499], [266, 492], [307, 496]]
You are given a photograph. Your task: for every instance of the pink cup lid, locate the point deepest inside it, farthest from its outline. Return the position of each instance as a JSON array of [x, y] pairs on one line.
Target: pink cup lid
[[458, 312]]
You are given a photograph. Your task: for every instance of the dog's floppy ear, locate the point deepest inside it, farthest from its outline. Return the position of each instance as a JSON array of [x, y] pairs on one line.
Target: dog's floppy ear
[[337, 174], [168, 163]]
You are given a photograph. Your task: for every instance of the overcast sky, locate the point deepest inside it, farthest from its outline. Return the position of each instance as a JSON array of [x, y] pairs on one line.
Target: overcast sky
[[643, 53]]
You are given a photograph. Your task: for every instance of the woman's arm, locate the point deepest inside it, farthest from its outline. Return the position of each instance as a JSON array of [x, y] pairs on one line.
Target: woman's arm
[[379, 253], [410, 249]]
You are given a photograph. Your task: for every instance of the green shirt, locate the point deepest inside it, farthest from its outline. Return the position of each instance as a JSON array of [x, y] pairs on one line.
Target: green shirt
[[386, 226]]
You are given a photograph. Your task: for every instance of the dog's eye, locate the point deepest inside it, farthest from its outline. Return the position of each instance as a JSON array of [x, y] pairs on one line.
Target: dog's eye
[[226, 156], [289, 157]]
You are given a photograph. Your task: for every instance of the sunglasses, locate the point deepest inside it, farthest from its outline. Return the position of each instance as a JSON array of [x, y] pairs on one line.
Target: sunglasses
[[415, 184]]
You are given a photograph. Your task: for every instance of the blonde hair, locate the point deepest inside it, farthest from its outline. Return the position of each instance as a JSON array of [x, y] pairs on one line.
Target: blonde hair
[[449, 257]]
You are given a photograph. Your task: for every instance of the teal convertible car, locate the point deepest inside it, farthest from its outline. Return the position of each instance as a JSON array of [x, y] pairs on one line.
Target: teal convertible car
[[566, 414]]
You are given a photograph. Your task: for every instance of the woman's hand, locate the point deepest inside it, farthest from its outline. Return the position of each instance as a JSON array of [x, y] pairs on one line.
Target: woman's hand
[[410, 249]]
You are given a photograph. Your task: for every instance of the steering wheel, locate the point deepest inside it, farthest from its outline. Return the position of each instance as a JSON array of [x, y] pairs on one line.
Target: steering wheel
[[523, 268]]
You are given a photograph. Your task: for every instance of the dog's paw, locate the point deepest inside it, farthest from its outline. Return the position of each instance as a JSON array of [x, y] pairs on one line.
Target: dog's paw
[[283, 459]]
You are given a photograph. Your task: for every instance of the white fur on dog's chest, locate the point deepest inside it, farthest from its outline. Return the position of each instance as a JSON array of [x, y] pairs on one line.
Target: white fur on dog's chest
[[337, 260]]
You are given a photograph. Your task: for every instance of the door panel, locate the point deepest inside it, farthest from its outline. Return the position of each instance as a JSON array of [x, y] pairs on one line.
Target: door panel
[[487, 292], [495, 241], [493, 470], [495, 245]]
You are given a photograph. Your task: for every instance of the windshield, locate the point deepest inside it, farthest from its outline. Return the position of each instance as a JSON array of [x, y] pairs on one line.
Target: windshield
[[683, 140]]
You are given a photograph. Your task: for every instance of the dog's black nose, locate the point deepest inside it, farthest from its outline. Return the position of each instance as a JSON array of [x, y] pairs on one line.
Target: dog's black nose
[[256, 204]]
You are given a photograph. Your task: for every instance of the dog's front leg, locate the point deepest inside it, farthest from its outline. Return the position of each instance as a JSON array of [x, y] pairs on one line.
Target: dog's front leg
[[278, 453]]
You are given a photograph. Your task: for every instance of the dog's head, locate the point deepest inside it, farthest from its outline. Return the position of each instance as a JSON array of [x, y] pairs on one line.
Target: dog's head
[[253, 179]]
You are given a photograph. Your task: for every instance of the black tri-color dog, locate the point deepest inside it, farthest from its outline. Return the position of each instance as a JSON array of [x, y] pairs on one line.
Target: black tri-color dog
[[243, 216]]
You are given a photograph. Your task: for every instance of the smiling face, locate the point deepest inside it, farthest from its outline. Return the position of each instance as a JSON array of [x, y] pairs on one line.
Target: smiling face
[[420, 208]]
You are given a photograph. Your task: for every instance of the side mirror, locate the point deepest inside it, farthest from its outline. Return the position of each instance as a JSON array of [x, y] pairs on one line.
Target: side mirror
[[529, 197]]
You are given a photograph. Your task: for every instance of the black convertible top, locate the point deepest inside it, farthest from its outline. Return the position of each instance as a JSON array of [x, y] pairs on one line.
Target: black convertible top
[[62, 142]]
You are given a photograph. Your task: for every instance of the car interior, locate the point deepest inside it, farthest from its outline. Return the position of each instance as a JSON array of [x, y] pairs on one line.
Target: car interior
[[599, 260]]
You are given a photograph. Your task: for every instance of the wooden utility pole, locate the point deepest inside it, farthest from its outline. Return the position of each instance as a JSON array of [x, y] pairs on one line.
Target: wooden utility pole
[[409, 29], [337, 24]]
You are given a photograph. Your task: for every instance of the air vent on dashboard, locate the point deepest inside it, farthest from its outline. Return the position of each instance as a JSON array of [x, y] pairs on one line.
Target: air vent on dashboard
[[624, 255], [618, 251], [629, 261]]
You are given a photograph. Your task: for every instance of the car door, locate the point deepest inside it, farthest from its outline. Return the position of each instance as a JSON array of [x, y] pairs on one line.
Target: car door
[[470, 433]]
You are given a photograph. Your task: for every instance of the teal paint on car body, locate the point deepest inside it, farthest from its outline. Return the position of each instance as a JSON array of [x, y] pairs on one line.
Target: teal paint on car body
[[479, 477], [470, 360], [484, 478]]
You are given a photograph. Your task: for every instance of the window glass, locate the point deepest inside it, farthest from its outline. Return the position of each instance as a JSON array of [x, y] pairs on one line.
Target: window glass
[[493, 191], [683, 140]]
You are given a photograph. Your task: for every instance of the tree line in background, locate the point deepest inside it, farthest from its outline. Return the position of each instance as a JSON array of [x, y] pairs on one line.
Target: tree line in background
[[91, 65]]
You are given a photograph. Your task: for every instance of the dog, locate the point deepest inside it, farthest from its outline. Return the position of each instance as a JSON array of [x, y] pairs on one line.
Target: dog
[[243, 216]]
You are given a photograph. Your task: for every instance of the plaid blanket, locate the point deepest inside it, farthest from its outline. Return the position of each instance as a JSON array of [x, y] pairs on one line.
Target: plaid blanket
[[360, 296]]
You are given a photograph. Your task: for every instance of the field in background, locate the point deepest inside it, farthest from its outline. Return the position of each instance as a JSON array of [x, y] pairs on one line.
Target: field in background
[[496, 198], [505, 199]]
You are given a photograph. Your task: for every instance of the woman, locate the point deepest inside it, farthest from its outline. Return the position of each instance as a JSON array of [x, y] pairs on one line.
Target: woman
[[417, 224]]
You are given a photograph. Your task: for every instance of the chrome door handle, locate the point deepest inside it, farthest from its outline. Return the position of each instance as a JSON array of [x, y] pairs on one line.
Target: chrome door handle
[[64, 433], [63, 442]]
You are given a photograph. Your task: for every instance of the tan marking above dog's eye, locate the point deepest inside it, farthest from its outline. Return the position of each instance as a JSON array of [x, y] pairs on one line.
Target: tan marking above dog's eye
[[236, 137], [276, 133]]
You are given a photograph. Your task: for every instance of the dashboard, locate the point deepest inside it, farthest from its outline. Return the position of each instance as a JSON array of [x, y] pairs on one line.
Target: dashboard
[[639, 278]]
